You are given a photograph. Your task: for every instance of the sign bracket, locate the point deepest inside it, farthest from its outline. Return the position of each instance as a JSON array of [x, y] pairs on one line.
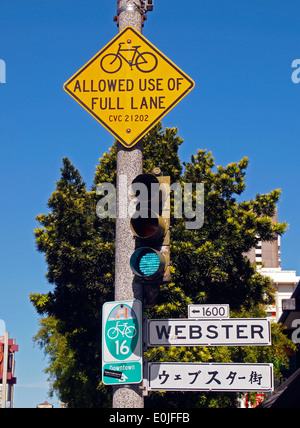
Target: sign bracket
[[145, 333], [130, 8], [145, 383]]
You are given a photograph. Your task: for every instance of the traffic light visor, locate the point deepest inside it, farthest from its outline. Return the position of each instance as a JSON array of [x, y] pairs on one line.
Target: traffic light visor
[[151, 184]]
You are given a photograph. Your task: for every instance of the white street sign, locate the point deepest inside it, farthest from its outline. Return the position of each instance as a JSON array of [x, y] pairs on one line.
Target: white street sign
[[224, 332], [210, 377], [208, 311]]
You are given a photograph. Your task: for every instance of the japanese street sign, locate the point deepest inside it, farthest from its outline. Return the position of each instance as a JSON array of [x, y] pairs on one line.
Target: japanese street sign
[[210, 377], [208, 311], [121, 342], [129, 86], [222, 332]]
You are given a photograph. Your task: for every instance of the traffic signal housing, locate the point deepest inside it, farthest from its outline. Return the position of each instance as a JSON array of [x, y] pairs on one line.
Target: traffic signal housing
[[150, 225]]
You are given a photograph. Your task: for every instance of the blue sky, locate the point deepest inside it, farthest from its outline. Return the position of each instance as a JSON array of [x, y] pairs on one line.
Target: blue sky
[[239, 53]]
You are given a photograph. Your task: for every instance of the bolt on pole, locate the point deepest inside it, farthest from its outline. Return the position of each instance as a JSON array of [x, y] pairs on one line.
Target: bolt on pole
[[129, 164]]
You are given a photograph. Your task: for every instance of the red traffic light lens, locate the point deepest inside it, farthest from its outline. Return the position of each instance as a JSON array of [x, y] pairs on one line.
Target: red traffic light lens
[[148, 226]]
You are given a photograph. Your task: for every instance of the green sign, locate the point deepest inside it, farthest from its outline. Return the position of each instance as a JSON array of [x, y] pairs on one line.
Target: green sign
[[122, 373], [121, 343], [122, 335]]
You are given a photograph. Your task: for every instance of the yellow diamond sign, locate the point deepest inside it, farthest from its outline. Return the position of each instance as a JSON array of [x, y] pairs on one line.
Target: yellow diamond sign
[[129, 86]]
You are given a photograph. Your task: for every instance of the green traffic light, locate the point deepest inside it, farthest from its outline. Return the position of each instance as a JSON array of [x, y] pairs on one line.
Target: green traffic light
[[147, 262]]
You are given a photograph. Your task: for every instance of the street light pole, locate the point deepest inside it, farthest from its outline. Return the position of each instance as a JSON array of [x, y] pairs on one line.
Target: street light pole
[[129, 165], [130, 13]]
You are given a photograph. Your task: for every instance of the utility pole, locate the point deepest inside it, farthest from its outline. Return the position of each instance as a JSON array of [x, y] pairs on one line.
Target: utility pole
[[129, 165]]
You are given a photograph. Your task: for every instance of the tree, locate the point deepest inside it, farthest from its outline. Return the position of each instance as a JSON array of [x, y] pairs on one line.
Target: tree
[[79, 251]]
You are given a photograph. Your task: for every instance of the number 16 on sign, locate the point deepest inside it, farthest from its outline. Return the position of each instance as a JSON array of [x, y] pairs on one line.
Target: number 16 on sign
[[121, 342]]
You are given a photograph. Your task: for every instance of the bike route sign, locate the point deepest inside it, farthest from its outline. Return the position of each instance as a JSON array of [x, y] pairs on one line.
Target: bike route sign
[[129, 86], [121, 342]]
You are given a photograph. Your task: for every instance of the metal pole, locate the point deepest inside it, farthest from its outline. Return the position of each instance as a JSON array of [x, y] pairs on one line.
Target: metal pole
[[129, 165]]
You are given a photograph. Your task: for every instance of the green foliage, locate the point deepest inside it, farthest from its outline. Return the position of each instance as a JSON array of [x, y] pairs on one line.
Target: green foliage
[[79, 251]]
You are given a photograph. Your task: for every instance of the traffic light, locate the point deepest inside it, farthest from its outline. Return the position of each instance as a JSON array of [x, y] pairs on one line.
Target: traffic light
[[150, 225]]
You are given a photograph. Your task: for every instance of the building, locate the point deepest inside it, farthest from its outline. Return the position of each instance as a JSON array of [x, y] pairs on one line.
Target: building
[[287, 395], [286, 310], [44, 405], [8, 348], [267, 258], [285, 283], [290, 318]]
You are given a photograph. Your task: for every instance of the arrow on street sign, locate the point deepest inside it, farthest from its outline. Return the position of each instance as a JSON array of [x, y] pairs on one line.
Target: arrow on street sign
[[208, 311]]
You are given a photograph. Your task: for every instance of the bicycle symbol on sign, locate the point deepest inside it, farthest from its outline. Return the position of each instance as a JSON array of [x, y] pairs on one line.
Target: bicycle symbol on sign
[[124, 330], [145, 62]]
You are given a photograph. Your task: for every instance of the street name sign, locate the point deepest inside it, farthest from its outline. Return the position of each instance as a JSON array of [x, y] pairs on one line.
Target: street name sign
[[210, 377], [122, 342], [208, 311], [219, 332], [129, 86]]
